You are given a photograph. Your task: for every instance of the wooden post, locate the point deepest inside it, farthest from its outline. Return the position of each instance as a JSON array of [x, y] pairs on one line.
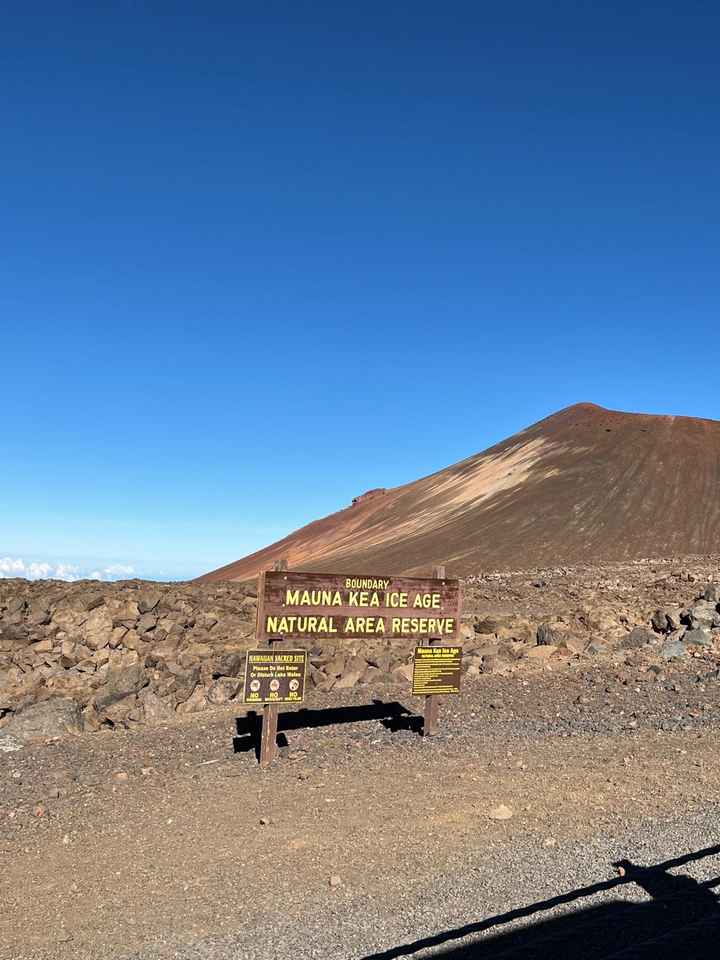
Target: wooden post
[[268, 735], [432, 703]]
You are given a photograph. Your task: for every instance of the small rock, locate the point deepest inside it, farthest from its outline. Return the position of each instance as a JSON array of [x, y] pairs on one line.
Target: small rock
[[347, 680], [8, 743], [501, 812], [42, 646], [490, 663], [335, 881], [546, 635], [264, 821], [49, 718], [675, 648], [122, 681], [543, 652], [595, 648], [637, 638], [575, 645], [702, 614], [336, 666], [403, 672], [660, 621], [148, 602], [119, 776], [699, 637], [223, 690], [145, 624]]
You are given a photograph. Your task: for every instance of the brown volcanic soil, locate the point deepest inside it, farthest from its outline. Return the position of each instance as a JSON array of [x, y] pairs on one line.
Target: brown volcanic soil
[[167, 844], [583, 485], [168, 841]]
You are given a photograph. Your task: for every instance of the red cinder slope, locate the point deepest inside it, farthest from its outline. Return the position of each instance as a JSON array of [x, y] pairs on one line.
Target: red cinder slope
[[584, 484]]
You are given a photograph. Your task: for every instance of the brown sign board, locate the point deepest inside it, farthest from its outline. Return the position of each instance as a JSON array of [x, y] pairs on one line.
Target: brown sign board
[[436, 670], [299, 606], [275, 676]]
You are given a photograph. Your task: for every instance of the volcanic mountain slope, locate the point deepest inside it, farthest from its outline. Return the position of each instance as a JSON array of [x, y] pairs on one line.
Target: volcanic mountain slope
[[584, 484]]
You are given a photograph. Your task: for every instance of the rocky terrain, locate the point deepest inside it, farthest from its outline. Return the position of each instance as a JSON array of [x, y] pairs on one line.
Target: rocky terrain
[[364, 840], [84, 656], [136, 823], [583, 485]]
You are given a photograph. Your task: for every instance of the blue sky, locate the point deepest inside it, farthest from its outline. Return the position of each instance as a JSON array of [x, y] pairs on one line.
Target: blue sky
[[256, 259]]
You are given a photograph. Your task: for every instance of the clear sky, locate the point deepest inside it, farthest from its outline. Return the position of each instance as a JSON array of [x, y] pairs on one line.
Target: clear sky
[[257, 258]]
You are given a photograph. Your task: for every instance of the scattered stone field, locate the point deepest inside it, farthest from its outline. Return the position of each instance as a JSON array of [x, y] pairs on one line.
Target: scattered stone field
[[88, 656], [158, 836]]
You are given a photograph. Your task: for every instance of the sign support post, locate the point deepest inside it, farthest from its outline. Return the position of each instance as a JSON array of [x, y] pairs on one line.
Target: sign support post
[[432, 703], [268, 735]]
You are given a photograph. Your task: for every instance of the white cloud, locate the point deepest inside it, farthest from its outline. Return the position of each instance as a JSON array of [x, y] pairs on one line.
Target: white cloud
[[118, 570], [36, 570]]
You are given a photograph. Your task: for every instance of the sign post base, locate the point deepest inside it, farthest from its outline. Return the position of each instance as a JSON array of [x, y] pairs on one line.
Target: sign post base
[[268, 735]]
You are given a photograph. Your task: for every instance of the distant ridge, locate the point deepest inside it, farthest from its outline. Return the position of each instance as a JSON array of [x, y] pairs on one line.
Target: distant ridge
[[583, 484]]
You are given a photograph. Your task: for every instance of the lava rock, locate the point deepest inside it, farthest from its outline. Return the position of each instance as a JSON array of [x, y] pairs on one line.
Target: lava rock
[[702, 614], [121, 682], [49, 718], [9, 743], [637, 638], [661, 621], [148, 602], [698, 637], [546, 636], [673, 649]]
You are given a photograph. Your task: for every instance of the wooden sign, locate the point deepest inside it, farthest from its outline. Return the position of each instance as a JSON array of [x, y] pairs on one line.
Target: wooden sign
[[304, 606], [275, 676], [436, 670]]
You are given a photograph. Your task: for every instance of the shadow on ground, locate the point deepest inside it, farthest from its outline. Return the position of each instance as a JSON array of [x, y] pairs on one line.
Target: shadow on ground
[[682, 920], [393, 716]]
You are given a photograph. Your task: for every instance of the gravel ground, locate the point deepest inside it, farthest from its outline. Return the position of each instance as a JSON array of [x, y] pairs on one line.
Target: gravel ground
[[363, 838], [484, 889]]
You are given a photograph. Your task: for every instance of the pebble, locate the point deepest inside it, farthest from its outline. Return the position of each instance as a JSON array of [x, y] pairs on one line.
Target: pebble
[[9, 743], [501, 812]]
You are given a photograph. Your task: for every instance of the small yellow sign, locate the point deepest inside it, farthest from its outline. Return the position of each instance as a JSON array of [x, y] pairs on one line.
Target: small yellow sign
[[436, 670]]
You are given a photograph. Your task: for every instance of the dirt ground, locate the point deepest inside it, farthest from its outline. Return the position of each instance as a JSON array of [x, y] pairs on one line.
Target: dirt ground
[[150, 842]]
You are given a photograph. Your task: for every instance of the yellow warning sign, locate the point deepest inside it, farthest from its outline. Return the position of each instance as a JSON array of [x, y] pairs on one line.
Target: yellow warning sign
[[436, 670]]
